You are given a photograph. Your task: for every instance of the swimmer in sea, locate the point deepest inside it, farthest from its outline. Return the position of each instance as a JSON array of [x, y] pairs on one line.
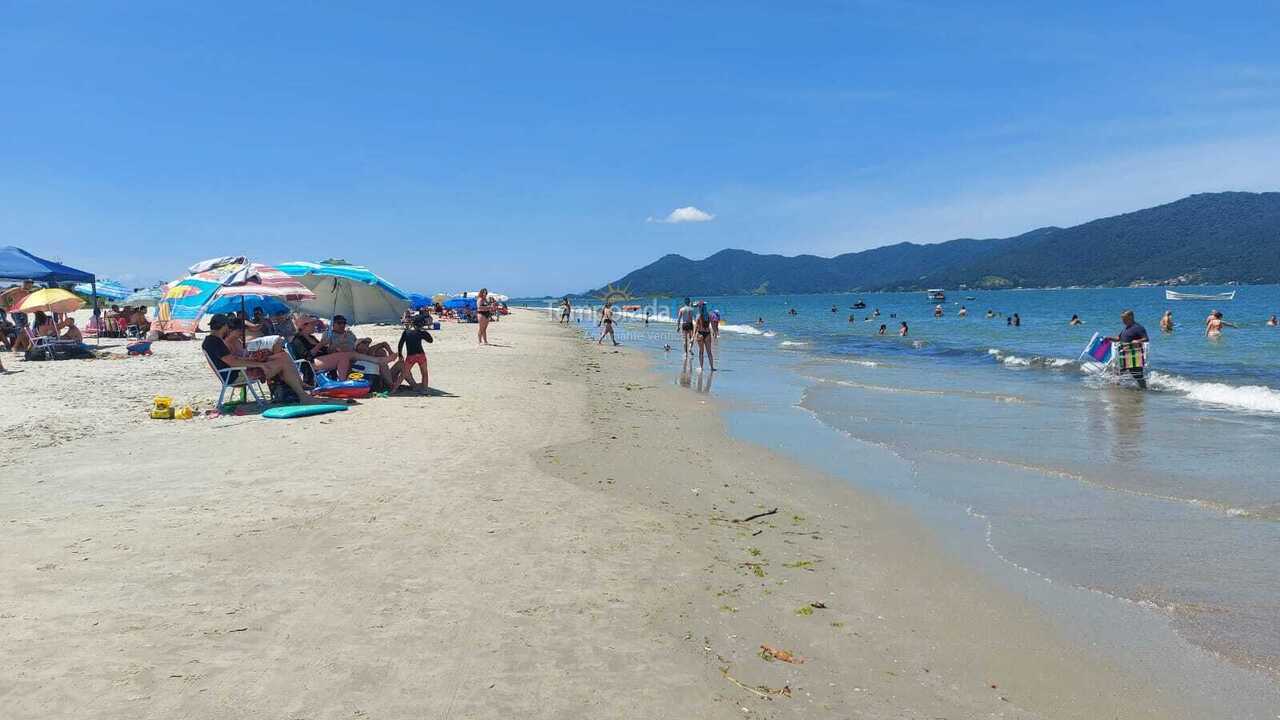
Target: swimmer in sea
[[902, 330], [1075, 320], [850, 318], [1017, 321], [991, 314], [1213, 328], [937, 311], [1271, 321], [882, 329], [1166, 321], [759, 321], [964, 311], [792, 311]]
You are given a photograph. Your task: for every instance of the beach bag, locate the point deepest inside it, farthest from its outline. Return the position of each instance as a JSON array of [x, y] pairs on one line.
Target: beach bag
[[36, 355]]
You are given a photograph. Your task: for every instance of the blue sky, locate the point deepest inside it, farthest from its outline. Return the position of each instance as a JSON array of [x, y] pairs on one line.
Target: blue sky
[[536, 147]]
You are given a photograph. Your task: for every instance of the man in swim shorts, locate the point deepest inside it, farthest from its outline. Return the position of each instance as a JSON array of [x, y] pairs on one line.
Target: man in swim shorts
[[684, 319]]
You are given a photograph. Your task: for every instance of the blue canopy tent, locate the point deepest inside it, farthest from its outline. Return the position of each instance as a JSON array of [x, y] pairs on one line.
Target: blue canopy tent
[[18, 264]]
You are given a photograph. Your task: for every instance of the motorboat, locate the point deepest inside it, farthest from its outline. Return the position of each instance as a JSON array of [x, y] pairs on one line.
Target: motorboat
[[936, 296]]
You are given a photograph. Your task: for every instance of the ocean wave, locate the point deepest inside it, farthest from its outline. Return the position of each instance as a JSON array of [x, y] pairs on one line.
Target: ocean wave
[[1035, 361], [792, 343], [742, 329], [1254, 398]]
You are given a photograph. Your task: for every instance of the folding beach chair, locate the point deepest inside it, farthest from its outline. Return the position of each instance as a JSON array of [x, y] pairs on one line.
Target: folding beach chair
[[235, 377]]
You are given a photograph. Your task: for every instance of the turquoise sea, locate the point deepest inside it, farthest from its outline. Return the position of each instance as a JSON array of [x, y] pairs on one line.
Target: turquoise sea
[[1162, 506]]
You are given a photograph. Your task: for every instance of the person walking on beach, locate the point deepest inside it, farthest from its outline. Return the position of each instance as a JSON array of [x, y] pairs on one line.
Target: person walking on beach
[[565, 310], [1132, 334], [485, 308], [715, 324], [606, 320], [684, 319], [1166, 321], [702, 324]]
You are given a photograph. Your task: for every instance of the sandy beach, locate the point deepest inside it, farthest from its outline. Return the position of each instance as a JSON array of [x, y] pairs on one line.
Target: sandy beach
[[555, 532]]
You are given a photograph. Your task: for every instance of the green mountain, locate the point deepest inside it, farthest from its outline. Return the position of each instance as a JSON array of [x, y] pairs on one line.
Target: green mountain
[[1207, 238]]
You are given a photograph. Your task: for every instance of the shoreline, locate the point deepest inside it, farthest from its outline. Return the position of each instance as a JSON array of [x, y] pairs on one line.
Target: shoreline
[[550, 534], [990, 636]]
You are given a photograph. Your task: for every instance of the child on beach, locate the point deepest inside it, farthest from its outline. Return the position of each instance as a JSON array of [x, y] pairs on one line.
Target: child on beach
[[410, 348]]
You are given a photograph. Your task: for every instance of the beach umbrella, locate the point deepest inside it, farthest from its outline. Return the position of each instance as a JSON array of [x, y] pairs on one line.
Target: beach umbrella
[[12, 296], [150, 297], [245, 285], [418, 300], [353, 291], [54, 300], [107, 289]]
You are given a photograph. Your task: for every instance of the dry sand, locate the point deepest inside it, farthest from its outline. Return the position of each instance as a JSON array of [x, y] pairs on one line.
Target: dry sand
[[551, 534]]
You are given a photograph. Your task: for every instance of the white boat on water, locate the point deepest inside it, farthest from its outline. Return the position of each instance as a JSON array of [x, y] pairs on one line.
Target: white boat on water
[[936, 295], [1173, 295]]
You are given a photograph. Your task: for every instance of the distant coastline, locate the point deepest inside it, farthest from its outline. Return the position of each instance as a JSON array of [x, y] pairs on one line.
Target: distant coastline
[[1229, 238]]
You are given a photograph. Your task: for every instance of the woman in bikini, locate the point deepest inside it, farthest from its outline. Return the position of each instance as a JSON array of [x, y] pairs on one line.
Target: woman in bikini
[[702, 327], [485, 308], [606, 320]]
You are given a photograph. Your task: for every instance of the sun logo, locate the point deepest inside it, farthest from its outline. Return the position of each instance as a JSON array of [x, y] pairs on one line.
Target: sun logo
[[613, 294]]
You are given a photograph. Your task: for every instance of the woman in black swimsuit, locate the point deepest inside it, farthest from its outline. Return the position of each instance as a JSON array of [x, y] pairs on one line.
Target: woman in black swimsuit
[[702, 325], [485, 308], [606, 320]]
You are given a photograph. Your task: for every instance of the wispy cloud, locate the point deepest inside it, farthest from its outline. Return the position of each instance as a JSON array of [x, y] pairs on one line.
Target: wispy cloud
[[688, 214]]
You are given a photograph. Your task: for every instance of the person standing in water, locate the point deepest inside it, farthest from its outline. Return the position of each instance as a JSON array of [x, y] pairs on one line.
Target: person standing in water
[[1271, 321], [1075, 320], [1017, 321], [684, 320], [1166, 321], [1213, 327], [715, 324], [702, 324], [883, 328], [606, 320], [1132, 334], [902, 329], [964, 311]]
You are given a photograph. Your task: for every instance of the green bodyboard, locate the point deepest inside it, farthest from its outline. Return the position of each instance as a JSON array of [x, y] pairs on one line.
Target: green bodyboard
[[296, 411]]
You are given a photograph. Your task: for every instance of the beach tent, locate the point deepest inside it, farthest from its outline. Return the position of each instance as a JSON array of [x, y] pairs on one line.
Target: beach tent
[[18, 264], [352, 291], [108, 289], [418, 300]]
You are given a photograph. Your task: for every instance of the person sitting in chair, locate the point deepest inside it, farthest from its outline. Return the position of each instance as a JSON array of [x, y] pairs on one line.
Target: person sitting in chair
[[224, 335], [337, 350], [70, 332]]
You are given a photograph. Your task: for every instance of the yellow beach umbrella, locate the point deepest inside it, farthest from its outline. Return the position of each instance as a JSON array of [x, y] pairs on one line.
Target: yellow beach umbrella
[[50, 300]]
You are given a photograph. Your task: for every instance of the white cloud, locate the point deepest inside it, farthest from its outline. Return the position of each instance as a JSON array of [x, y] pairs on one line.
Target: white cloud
[[689, 214]]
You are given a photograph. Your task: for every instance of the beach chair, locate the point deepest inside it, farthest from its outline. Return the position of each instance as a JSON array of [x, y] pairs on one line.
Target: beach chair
[[233, 378]]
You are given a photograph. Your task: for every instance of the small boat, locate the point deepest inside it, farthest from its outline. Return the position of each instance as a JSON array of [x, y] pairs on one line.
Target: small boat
[[858, 305], [936, 295], [1172, 295]]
